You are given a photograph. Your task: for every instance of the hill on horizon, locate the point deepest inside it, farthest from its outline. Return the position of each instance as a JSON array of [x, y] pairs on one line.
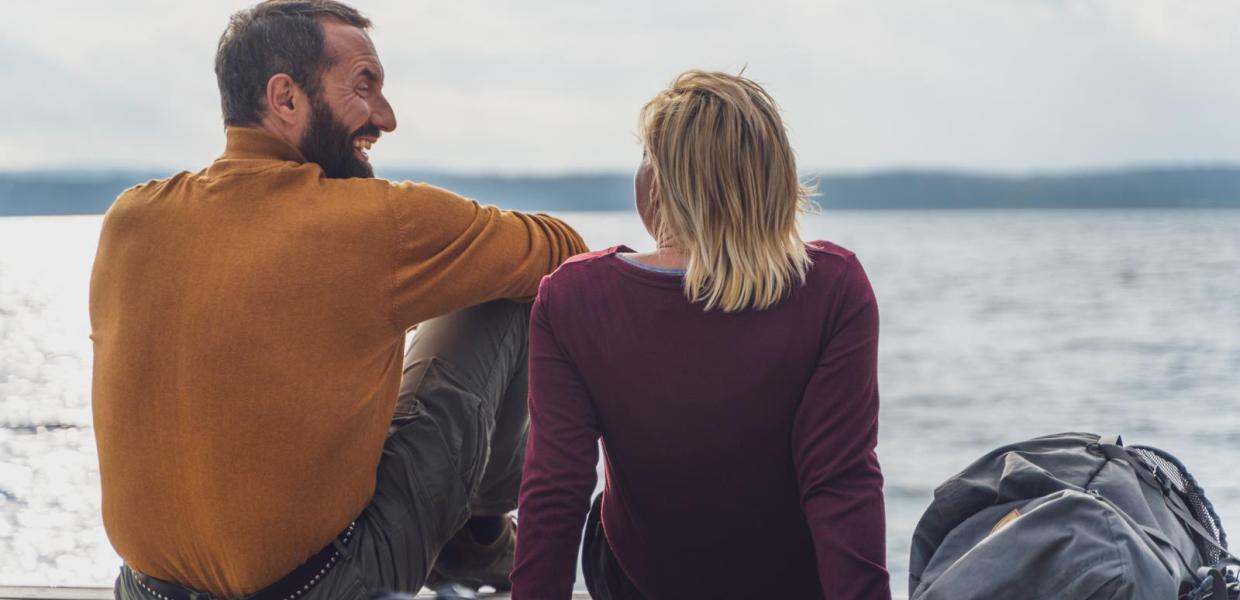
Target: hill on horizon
[[86, 191]]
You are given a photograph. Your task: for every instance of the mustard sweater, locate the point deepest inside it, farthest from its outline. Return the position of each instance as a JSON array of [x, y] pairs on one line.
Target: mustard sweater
[[248, 323]]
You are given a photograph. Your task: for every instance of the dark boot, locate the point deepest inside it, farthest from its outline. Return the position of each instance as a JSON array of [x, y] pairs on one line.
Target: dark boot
[[474, 564]]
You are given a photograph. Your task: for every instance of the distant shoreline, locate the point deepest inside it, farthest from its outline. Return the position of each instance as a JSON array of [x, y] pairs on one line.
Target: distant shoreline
[[69, 191]]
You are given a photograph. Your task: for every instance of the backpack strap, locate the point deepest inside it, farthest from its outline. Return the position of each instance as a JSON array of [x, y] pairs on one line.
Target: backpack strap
[[1111, 446], [1218, 582], [1191, 523]]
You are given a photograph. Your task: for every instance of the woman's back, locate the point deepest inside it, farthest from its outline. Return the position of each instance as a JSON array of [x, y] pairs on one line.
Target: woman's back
[[739, 445], [737, 399]]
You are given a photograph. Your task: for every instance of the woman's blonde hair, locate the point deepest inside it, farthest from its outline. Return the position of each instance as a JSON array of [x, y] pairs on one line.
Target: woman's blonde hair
[[728, 191]]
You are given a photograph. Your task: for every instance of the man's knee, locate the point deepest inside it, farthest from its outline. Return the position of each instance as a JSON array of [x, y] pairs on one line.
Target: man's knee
[[501, 313], [483, 347], [496, 316]]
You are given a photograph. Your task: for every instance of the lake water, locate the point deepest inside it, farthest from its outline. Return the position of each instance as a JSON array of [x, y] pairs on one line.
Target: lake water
[[997, 326]]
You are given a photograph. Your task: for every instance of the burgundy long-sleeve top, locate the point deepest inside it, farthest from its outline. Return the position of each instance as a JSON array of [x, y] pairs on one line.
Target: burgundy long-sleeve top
[[739, 447]]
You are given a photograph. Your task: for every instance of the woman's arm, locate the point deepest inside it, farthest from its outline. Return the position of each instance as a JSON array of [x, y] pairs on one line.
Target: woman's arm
[[833, 443], [560, 461]]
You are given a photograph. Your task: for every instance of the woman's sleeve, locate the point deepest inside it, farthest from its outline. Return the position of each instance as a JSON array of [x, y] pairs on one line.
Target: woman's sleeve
[[834, 439], [560, 460]]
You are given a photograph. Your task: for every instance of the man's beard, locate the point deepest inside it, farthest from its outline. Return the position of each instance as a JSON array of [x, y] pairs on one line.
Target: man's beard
[[328, 144]]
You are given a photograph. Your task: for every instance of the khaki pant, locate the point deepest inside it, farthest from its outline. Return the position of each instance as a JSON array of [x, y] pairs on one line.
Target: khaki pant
[[455, 449]]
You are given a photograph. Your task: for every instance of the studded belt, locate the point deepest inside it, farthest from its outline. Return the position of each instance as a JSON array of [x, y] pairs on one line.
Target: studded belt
[[290, 587]]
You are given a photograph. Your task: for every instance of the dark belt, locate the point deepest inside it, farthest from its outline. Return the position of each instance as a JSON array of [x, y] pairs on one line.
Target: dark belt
[[298, 582]]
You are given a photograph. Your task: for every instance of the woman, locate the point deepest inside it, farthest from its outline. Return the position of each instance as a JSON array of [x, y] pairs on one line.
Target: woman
[[731, 374]]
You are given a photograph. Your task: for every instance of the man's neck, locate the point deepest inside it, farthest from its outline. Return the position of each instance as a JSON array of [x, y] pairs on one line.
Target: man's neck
[[278, 130]]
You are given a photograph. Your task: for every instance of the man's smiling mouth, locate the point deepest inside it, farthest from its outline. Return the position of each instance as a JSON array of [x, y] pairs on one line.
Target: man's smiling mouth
[[362, 146]]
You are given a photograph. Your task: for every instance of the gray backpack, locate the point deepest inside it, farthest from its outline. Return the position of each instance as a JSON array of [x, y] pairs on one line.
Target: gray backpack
[[1072, 517]]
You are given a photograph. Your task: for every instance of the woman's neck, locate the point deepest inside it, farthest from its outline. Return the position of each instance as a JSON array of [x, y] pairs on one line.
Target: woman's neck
[[666, 257]]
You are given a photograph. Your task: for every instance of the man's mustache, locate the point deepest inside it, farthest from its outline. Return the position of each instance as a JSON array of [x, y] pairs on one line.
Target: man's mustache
[[367, 131]]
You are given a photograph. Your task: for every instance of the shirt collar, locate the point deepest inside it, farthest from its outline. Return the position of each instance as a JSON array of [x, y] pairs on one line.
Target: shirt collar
[[252, 143]]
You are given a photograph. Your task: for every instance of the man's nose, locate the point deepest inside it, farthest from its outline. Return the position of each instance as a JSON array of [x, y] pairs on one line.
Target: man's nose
[[383, 116]]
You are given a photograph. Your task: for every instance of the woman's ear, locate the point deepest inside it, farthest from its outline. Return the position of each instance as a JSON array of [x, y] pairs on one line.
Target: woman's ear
[[655, 223]]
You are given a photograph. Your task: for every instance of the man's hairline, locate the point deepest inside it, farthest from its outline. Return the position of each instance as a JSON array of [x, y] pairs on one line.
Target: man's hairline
[[330, 57], [328, 60]]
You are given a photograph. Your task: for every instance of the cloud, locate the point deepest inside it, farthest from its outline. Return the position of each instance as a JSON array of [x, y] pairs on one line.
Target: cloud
[[1199, 27], [553, 85]]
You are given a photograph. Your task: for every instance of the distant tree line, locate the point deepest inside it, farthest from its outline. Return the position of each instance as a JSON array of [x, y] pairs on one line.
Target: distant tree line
[[91, 192], [1145, 188]]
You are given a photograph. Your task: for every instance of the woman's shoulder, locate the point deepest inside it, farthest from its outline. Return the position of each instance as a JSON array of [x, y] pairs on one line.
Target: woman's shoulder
[[834, 265], [830, 258], [582, 266], [588, 260], [829, 251]]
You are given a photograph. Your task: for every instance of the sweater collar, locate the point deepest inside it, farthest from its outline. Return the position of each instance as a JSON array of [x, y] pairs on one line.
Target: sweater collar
[[252, 143]]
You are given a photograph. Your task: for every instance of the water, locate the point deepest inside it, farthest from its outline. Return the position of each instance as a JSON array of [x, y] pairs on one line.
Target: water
[[997, 326]]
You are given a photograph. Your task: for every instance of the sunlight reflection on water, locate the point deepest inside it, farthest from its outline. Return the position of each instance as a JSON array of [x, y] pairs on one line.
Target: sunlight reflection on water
[[997, 326]]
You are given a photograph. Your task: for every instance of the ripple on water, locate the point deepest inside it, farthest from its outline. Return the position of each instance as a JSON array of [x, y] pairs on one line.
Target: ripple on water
[[997, 326]]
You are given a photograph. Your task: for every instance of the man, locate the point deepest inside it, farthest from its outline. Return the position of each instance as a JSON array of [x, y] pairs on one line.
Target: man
[[256, 437]]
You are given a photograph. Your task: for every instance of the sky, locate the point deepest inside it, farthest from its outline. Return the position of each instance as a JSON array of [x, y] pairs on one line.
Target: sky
[[554, 86]]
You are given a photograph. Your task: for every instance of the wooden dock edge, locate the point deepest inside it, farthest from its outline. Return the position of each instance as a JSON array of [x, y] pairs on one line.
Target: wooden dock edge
[[98, 593]]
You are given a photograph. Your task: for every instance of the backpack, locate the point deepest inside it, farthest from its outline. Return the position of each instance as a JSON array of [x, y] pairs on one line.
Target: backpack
[[1072, 516]]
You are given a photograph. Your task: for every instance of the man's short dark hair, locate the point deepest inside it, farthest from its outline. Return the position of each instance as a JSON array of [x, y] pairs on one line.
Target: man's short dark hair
[[277, 36]]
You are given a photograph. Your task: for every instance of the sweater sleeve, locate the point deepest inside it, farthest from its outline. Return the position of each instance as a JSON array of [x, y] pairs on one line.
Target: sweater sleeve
[[834, 439], [560, 460], [452, 252]]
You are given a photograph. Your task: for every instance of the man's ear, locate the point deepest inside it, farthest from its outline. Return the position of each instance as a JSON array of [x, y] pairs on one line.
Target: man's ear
[[284, 99]]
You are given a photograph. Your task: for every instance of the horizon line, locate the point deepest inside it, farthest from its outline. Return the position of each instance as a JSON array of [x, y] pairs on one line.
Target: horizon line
[[964, 171]]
